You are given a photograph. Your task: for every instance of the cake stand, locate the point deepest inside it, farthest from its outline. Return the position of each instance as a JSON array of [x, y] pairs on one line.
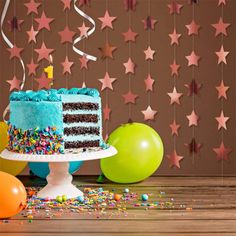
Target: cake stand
[[59, 179]]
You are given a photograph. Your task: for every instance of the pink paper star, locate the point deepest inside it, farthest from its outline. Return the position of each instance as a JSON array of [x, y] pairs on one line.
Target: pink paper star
[[221, 27], [84, 62], [149, 53], [15, 24], [44, 52], [44, 22], [14, 83], [174, 68], [84, 2], [193, 119], [32, 67], [44, 82], [129, 66], [222, 90], [66, 4], [193, 59], [222, 153], [174, 128], [149, 83], [222, 121], [130, 5], [193, 146], [174, 7], [193, 87], [32, 34], [84, 85], [66, 35], [106, 112], [174, 159], [83, 30], [130, 35], [149, 114], [15, 52], [129, 97], [107, 20], [193, 28], [222, 54], [32, 7], [174, 37], [175, 96], [107, 82], [67, 65], [221, 2], [149, 23]]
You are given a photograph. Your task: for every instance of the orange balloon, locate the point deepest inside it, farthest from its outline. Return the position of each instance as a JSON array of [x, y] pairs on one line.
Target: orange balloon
[[12, 195]]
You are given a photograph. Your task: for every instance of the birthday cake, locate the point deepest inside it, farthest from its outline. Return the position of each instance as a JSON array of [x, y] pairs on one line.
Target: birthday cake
[[55, 121]]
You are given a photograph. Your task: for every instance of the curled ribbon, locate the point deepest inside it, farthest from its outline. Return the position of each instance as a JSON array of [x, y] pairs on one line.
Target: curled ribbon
[[90, 57], [8, 42]]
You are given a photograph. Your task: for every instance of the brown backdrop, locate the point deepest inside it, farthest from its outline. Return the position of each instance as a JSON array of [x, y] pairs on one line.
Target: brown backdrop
[[208, 73]]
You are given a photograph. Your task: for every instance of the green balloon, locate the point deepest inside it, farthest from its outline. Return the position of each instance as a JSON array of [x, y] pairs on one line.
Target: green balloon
[[140, 152]]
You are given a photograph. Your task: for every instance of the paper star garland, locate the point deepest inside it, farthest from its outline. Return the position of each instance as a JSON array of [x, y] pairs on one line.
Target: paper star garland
[[192, 59], [221, 27], [193, 1], [14, 83], [83, 30], [66, 35], [175, 96], [15, 24], [129, 97], [174, 8], [222, 120], [193, 28], [106, 112], [149, 23], [32, 67], [32, 7], [174, 159], [174, 128], [44, 82], [67, 4], [221, 2], [193, 119], [67, 65], [107, 51], [107, 82], [32, 34], [174, 38], [222, 90], [84, 62], [43, 52], [149, 53], [193, 87], [15, 51], [130, 35], [129, 66], [130, 5], [193, 146], [44, 22], [222, 54], [149, 114], [222, 153], [149, 83], [107, 20], [84, 2], [174, 68]]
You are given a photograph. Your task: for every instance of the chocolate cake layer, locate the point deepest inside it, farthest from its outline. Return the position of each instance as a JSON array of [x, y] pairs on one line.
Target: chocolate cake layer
[[88, 118], [80, 106], [84, 144], [81, 130]]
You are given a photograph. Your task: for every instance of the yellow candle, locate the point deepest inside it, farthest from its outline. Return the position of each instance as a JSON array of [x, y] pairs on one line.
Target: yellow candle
[[49, 71]]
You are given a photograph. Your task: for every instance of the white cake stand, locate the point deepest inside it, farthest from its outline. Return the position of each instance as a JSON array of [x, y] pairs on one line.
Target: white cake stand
[[59, 179]]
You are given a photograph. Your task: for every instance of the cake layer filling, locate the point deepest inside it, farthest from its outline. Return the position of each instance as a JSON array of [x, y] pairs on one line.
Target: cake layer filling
[[72, 118], [81, 130], [80, 106], [84, 144], [74, 138]]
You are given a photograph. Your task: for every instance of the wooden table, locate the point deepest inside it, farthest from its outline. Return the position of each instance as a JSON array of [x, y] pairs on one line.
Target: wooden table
[[208, 207]]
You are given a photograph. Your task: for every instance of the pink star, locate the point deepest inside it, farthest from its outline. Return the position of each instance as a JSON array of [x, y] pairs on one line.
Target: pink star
[[174, 7], [44, 52], [129, 97], [149, 114], [149, 83], [32, 7], [66, 4], [149, 53], [129, 66], [84, 2], [44, 22], [32, 34], [193, 28], [32, 67], [44, 82], [66, 35], [107, 20], [174, 159], [149, 23], [84, 62], [106, 112], [174, 68], [15, 52], [14, 83], [222, 54], [222, 152], [193, 59], [193, 119], [174, 128], [130, 35], [130, 5], [67, 65], [221, 27], [221, 2], [222, 90], [174, 37], [15, 24], [222, 121], [107, 82], [83, 30], [175, 96]]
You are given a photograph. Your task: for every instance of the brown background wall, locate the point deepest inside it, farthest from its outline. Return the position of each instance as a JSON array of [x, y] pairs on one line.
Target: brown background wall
[[208, 73]]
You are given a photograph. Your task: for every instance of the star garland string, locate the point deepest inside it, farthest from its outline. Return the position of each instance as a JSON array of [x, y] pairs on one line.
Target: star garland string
[[222, 152], [175, 96]]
